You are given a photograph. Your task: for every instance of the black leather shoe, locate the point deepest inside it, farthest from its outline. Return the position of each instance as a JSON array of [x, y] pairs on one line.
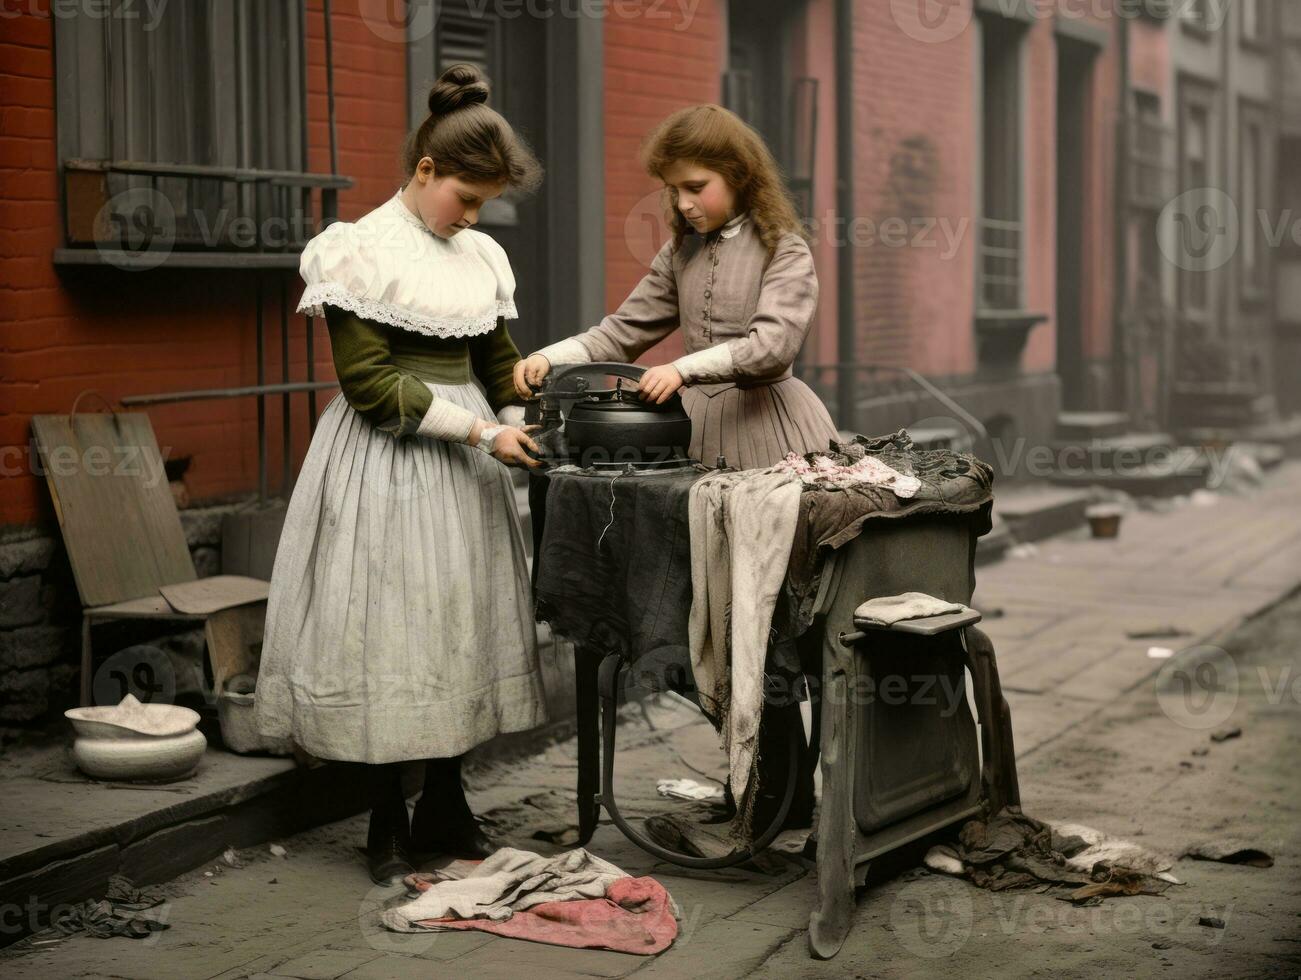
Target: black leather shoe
[[464, 841], [386, 858], [388, 840]]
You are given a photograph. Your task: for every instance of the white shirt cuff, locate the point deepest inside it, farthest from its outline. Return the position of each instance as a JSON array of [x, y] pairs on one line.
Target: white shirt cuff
[[705, 366], [447, 421], [567, 351]]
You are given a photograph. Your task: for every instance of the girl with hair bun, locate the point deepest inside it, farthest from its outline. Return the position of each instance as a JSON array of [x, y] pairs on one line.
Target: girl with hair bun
[[399, 624]]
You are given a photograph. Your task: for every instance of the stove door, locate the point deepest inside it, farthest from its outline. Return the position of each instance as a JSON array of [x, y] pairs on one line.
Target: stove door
[[917, 744]]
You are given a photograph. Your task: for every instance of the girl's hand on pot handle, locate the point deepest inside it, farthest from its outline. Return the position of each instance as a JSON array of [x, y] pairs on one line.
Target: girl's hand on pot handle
[[510, 445], [529, 374], [659, 383]]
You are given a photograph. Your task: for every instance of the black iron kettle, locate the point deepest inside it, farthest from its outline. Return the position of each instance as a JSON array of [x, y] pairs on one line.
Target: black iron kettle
[[610, 427]]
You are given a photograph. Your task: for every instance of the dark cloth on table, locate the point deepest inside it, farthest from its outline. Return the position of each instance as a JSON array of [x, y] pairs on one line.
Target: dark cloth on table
[[625, 588], [630, 591]]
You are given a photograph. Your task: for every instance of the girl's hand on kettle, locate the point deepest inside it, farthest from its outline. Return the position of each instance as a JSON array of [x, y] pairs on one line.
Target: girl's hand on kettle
[[659, 383], [510, 445], [529, 374]]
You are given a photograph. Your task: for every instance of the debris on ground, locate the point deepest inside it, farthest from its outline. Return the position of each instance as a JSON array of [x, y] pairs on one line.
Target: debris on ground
[[278, 851], [1230, 850], [547, 816], [1224, 734], [1155, 632], [688, 837], [231, 859], [1077, 863], [1211, 922], [688, 789], [118, 913], [1160, 653]]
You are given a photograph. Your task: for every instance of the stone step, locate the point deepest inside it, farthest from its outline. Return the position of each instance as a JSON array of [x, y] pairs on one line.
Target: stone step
[[1284, 435], [1125, 451], [1039, 511], [68, 834], [1183, 472], [1083, 426]]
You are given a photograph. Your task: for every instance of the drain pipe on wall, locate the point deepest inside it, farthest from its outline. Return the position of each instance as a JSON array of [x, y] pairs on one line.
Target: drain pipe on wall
[[1122, 345], [846, 354]]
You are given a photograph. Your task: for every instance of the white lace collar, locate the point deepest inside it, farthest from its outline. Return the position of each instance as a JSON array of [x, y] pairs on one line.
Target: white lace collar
[[389, 267]]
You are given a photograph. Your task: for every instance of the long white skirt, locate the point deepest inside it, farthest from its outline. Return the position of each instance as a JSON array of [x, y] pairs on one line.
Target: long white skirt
[[399, 624]]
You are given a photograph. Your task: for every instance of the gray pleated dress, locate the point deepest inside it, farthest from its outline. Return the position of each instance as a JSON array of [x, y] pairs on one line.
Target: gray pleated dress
[[400, 624], [727, 288]]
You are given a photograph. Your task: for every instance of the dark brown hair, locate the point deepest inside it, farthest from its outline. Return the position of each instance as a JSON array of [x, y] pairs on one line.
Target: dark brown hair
[[719, 140], [467, 139]]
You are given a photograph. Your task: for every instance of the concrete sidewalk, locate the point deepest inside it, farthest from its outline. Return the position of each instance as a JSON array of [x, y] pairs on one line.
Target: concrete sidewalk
[[1089, 729]]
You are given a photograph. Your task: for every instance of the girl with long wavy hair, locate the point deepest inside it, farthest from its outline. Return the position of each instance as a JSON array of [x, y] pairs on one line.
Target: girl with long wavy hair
[[737, 278]]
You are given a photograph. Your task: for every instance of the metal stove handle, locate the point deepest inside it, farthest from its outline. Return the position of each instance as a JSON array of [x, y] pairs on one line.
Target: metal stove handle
[[608, 685], [596, 369]]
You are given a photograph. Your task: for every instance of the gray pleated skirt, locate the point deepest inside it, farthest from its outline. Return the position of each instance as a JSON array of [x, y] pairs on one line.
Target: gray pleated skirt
[[756, 427], [399, 624]]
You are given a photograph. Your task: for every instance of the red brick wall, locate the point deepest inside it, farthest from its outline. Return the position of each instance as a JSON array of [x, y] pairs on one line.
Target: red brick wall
[[651, 69], [129, 333], [916, 106], [914, 140]]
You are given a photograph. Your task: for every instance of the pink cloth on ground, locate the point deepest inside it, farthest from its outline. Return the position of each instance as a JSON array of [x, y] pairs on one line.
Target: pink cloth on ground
[[635, 916]]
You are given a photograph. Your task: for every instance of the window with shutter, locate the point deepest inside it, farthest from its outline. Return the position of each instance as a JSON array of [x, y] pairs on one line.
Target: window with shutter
[[189, 126]]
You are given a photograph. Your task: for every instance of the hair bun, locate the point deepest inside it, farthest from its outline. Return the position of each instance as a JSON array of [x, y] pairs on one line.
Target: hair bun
[[459, 86]]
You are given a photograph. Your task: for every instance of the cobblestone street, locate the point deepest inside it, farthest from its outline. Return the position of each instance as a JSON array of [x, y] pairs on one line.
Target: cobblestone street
[[1106, 736]]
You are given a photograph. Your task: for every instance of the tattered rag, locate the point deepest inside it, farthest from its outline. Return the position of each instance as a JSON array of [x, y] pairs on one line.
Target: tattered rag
[[742, 526], [572, 899]]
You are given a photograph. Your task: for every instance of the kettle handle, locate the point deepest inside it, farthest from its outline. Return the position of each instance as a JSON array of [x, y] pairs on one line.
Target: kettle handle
[[595, 369]]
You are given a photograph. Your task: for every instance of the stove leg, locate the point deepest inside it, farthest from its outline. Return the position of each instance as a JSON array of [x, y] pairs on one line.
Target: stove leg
[[830, 921], [586, 663], [995, 721]]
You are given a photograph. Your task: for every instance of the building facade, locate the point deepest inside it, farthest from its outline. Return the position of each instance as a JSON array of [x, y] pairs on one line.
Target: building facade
[[995, 193]]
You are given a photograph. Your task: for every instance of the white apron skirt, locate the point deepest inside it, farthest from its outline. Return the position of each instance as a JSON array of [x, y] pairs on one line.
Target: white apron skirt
[[399, 624]]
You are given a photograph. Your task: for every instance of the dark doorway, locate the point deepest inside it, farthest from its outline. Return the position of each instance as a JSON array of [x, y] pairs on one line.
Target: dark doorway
[[1074, 75], [512, 53]]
